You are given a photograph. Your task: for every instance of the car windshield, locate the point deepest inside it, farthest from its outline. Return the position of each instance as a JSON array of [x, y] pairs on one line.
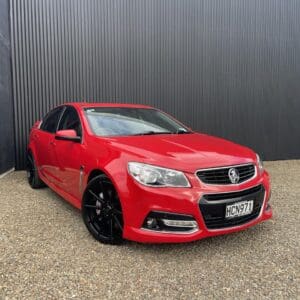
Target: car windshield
[[124, 121]]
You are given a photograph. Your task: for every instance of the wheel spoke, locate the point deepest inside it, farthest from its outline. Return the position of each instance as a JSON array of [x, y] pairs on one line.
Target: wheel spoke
[[118, 223], [100, 219], [96, 196], [111, 227], [97, 218], [103, 190], [117, 212], [90, 206], [92, 218], [110, 195]]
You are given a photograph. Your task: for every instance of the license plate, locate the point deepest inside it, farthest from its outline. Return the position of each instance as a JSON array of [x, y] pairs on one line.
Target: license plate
[[239, 209]]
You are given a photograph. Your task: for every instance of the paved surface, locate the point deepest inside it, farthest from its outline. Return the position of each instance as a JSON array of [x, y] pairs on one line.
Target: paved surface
[[46, 252]]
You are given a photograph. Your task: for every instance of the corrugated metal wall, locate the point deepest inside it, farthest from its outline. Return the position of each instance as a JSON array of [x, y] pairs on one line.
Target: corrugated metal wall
[[226, 67], [7, 156]]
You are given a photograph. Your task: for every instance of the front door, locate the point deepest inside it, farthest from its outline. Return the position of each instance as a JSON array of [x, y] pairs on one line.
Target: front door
[[45, 142], [67, 155]]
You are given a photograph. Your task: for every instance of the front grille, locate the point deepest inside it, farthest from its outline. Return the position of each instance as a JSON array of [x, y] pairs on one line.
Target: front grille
[[221, 175], [213, 206]]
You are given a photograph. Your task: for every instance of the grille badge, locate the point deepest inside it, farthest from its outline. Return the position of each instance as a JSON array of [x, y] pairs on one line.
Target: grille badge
[[234, 175], [219, 175]]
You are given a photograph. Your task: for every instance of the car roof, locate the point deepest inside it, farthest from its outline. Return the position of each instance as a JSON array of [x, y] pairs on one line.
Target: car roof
[[108, 104]]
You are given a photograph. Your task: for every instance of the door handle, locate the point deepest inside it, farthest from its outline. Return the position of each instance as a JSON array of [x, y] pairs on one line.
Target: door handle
[[52, 143]]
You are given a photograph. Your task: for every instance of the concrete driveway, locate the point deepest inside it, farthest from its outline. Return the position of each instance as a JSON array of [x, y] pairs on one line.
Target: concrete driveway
[[46, 252]]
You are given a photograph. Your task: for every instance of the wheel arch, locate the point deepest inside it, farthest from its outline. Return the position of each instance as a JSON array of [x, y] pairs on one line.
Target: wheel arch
[[94, 173], [98, 171]]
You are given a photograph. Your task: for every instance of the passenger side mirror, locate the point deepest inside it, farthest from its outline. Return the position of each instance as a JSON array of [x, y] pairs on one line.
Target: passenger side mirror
[[68, 135]]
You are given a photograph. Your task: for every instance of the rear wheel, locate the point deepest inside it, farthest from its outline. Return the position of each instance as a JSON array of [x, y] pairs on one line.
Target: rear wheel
[[33, 177], [102, 212]]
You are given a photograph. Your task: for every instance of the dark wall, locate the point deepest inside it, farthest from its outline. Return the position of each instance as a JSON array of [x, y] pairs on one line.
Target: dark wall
[[7, 157], [230, 68]]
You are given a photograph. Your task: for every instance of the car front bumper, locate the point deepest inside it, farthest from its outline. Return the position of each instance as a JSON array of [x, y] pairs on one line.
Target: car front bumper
[[139, 201]]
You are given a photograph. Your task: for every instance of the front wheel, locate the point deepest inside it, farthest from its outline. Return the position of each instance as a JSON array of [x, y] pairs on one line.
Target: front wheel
[[102, 212]]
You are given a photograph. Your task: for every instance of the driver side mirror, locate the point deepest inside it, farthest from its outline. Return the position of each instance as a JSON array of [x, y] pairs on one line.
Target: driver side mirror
[[68, 135]]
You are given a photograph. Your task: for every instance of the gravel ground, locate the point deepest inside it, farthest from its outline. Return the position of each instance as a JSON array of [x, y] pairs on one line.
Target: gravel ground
[[46, 252]]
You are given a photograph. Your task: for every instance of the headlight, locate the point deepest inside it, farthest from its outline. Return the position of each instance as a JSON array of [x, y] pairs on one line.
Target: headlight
[[157, 177], [259, 164]]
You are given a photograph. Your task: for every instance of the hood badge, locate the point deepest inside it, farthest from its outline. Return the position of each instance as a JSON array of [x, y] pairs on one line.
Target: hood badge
[[234, 175]]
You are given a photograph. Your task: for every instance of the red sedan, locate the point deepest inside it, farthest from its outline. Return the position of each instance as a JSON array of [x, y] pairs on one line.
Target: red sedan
[[136, 173]]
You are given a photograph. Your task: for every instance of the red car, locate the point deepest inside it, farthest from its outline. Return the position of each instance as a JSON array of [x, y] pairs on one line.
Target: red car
[[138, 174]]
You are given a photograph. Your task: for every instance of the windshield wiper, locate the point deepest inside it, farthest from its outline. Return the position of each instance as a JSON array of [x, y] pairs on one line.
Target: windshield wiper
[[182, 131], [153, 133], [179, 131]]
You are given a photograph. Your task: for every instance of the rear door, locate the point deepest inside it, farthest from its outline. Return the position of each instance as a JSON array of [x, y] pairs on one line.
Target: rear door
[[45, 142], [67, 160]]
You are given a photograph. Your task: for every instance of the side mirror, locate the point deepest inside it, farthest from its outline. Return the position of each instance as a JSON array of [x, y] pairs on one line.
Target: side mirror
[[68, 135]]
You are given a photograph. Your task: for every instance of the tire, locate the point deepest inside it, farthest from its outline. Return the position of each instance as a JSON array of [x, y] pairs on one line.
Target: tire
[[33, 177], [102, 211]]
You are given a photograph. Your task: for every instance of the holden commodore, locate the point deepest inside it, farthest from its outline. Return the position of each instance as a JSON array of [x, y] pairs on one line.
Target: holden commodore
[[136, 173]]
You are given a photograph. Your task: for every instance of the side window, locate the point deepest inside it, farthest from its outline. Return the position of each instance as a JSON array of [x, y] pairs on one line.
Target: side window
[[51, 119], [70, 120]]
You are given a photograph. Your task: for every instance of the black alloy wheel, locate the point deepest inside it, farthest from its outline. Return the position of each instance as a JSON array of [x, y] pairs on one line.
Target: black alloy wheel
[[33, 177], [102, 212]]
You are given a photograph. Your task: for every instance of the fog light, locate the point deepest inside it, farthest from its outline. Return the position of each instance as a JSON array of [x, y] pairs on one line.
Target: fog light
[[170, 222], [180, 223], [151, 222]]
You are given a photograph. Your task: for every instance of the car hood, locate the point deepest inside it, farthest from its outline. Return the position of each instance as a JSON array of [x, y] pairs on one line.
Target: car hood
[[186, 152]]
